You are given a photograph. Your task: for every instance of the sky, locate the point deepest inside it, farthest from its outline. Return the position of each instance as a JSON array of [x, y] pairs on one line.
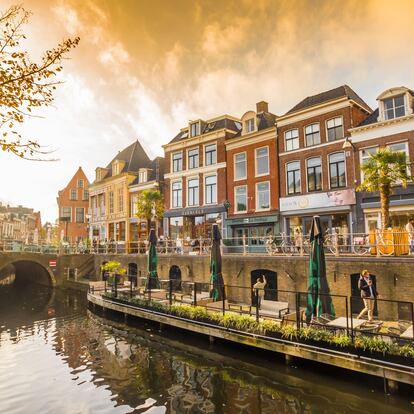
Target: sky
[[143, 69]]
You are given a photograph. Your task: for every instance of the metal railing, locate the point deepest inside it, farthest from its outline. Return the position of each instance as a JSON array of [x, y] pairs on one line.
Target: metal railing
[[380, 243], [392, 320]]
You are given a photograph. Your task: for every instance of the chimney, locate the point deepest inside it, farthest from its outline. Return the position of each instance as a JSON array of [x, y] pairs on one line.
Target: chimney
[[262, 106]]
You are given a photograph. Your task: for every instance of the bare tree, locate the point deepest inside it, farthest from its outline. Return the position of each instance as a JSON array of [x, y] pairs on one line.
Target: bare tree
[[24, 85]]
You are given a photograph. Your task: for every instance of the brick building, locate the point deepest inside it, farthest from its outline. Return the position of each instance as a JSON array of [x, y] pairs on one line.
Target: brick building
[[195, 182], [253, 178], [73, 203], [317, 176], [390, 125]]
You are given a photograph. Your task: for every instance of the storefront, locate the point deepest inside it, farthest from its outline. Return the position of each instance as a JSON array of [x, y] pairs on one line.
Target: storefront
[[335, 209], [116, 231], [138, 229], [399, 216], [254, 229], [193, 223], [97, 231]]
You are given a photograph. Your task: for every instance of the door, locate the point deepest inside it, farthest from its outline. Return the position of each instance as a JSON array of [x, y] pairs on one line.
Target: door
[[175, 276], [357, 303]]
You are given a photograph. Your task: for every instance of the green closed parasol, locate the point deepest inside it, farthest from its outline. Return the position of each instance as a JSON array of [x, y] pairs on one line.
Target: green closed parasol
[[319, 300], [152, 276]]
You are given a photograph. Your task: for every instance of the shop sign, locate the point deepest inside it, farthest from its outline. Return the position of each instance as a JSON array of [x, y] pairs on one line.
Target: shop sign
[[52, 263], [253, 220], [318, 200]]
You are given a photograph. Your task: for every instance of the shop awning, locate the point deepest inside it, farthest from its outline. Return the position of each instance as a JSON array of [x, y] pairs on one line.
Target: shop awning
[[315, 211], [195, 211]]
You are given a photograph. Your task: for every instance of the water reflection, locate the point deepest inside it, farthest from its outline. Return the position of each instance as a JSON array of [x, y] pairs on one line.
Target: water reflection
[[55, 356]]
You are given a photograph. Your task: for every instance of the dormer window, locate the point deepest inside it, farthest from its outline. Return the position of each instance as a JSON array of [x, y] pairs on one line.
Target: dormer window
[[249, 125], [195, 129], [143, 176], [394, 107]]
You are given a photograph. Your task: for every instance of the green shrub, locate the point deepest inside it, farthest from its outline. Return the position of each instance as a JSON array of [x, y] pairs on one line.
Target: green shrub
[[406, 351], [289, 332], [342, 340], [266, 326]]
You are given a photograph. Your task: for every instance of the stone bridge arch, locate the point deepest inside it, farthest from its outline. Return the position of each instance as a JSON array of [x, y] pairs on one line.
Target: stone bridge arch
[[28, 268]]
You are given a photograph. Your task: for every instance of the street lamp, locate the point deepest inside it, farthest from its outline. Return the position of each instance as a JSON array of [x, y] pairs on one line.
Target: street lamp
[[348, 145]]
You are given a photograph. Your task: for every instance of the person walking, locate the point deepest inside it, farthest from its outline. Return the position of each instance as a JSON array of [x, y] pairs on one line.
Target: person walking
[[409, 227], [368, 294], [259, 287]]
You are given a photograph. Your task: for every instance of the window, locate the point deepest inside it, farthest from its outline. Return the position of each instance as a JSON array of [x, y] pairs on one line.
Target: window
[[394, 107], [111, 202], [262, 196], [365, 156], [120, 200], [80, 183], [80, 215], [192, 192], [240, 166], [337, 170], [177, 161], [262, 161], [249, 125], [143, 176], [211, 189], [67, 213], [177, 194], [240, 195], [335, 129], [195, 129], [115, 168], [314, 170], [312, 135], [210, 152], [193, 158], [293, 177], [291, 140], [401, 147], [73, 195], [85, 195]]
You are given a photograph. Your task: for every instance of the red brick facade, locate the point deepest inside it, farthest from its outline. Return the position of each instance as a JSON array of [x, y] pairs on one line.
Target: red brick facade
[[73, 203]]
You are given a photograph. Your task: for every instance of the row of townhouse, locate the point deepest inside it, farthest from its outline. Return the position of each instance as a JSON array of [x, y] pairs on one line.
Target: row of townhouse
[[260, 174], [264, 174]]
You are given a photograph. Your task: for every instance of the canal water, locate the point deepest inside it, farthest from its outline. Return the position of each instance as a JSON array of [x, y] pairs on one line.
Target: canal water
[[58, 357]]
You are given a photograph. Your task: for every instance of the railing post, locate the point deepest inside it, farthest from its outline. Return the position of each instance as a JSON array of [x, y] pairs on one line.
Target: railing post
[[105, 285], [257, 304], [116, 285], [170, 290], [377, 232], [352, 322], [297, 300], [130, 287], [347, 315], [223, 299], [195, 293], [412, 317]]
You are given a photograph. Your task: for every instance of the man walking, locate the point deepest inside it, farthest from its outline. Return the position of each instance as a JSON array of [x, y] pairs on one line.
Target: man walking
[[409, 227], [259, 290], [368, 294]]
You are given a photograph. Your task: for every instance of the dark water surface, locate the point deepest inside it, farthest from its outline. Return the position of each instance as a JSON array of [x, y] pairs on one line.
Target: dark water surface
[[57, 357]]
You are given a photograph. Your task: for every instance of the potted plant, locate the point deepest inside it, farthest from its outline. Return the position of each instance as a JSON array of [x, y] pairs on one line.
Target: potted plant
[[114, 270]]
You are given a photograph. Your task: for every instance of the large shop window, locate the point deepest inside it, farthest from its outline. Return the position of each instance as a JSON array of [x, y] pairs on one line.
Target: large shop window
[[337, 170], [262, 161], [314, 168], [335, 129], [312, 135], [291, 140], [394, 107], [293, 177], [240, 166], [211, 189], [177, 161], [262, 196], [193, 192], [193, 158], [177, 193], [241, 199], [210, 154]]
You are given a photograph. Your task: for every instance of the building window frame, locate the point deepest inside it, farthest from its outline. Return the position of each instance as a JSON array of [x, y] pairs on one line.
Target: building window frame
[[210, 156], [312, 170], [177, 194], [193, 161], [210, 190], [235, 162], [111, 202], [338, 130], [256, 162], [193, 193], [73, 195], [363, 158], [291, 141], [336, 164], [249, 125], [296, 173], [64, 215], [83, 214], [80, 182], [236, 209], [120, 197], [195, 129], [312, 134], [177, 163], [258, 197], [393, 109]]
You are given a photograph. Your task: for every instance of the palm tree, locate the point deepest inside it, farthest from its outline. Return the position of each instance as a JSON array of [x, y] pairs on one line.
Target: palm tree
[[150, 205], [383, 170]]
